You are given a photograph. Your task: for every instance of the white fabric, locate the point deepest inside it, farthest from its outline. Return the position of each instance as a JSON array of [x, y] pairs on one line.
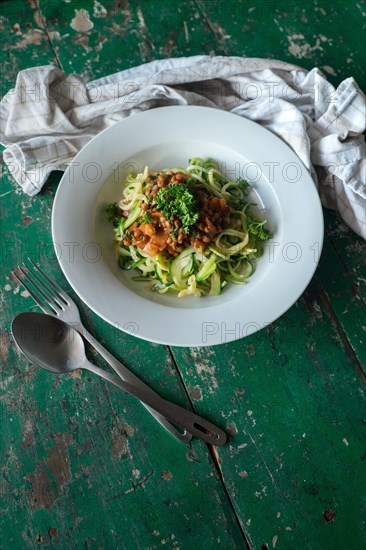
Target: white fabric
[[49, 116]]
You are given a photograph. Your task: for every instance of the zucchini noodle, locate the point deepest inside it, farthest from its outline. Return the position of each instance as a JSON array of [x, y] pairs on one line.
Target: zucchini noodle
[[187, 231]]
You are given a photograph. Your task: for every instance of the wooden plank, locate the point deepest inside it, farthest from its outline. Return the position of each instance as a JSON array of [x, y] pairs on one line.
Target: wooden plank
[[291, 394], [288, 489], [292, 397], [311, 35], [24, 43], [343, 275], [124, 33], [84, 464]]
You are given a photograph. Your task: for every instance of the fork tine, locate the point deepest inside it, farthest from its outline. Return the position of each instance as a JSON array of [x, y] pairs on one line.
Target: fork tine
[[30, 273], [45, 308], [52, 304], [63, 294]]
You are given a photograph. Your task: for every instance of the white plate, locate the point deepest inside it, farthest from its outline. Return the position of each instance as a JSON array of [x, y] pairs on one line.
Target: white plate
[[168, 137]]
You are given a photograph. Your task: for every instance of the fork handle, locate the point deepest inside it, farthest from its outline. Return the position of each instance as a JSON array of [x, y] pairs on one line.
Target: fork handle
[[200, 427], [132, 379]]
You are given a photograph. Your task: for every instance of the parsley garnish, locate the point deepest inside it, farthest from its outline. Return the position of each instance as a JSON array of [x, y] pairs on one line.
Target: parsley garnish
[[256, 228], [177, 200], [112, 213]]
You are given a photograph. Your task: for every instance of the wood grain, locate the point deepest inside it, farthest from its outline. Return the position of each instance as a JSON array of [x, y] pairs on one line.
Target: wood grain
[[84, 466]]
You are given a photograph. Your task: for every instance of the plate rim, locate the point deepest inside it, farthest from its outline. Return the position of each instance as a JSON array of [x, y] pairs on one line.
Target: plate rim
[[154, 112]]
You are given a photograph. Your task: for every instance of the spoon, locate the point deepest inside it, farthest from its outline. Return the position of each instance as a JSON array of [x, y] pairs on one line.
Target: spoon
[[57, 347]]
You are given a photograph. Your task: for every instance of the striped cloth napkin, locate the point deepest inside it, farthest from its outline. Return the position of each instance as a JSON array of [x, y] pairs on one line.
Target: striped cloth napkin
[[49, 116]]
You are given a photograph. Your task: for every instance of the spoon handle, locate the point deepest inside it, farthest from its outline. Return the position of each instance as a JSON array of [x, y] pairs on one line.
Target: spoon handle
[[196, 425], [132, 379]]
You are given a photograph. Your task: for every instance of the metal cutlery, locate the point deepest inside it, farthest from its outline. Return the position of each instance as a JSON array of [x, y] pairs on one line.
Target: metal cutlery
[[56, 346], [54, 301]]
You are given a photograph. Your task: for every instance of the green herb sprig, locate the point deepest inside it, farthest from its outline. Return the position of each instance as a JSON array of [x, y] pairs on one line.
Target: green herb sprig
[[257, 228], [178, 200], [113, 213]]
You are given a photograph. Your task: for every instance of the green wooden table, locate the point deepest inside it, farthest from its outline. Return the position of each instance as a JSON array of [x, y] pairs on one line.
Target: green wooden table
[[83, 465]]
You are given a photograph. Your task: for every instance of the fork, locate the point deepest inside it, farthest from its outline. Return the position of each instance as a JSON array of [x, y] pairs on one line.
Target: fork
[[57, 303]]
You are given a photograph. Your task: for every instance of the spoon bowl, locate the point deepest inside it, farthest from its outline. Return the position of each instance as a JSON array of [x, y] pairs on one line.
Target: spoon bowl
[[56, 346], [49, 342]]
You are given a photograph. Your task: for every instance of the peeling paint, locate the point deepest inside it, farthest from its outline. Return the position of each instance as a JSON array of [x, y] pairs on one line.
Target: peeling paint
[[141, 19], [301, 49], [321, 10], [76, 374], [54, 35], [82, 40], [220, 32], [32, 36], [38, 19], [128, 429], [202, 366], [17, 29], [328, 69], [99, 10], [100, 40], [28, 441], [119, 444], [195, 393], [116, 28], [58, 460], [81, 22], [26, 221], [186, 34], [5, 382], [41, 495], [231, 428], [4, 345]]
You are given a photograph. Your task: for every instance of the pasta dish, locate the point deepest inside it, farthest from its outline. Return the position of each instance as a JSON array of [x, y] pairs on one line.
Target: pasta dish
[[189, 231]]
